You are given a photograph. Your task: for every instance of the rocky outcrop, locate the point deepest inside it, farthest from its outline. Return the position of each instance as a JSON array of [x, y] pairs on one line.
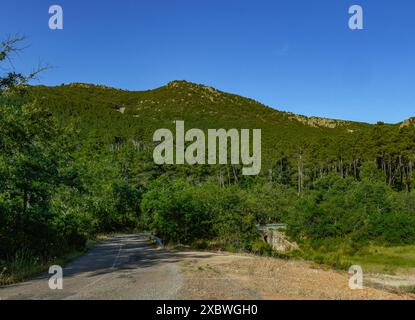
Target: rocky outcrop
[[407, 123], [278, 240], [318, 122]]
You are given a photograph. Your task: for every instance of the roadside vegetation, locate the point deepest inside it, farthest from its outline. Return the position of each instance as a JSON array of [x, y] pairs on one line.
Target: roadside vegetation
[[24, 264], [72, 166]]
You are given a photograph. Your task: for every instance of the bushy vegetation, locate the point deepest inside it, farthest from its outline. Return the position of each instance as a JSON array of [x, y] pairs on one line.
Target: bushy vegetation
[[359, 211], [183, 212], [334, 211]]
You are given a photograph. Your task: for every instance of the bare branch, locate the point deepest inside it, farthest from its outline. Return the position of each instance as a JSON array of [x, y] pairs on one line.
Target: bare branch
[[34, 74], [10, 46], [12, 79]]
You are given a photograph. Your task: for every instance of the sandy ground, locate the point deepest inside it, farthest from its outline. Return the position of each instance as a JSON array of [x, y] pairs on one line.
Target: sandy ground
[[229, 276]]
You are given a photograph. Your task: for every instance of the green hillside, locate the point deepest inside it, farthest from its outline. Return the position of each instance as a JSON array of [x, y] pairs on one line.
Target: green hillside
[[128, 113], [110, 113], [314, 146]]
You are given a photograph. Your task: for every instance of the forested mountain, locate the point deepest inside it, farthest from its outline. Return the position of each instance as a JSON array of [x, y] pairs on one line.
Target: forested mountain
[[296, 149]]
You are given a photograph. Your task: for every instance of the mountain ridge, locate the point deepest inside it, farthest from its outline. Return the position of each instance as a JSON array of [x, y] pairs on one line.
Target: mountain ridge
[[313, 121]]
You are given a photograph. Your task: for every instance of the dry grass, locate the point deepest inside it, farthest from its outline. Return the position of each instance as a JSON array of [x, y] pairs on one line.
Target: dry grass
[[251, 277]]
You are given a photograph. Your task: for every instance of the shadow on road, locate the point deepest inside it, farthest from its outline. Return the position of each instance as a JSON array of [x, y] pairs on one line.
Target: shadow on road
[[123, 253], [126, 252]]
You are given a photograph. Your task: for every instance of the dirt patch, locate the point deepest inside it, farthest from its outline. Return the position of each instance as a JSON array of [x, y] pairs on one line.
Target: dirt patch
[[231, 276]]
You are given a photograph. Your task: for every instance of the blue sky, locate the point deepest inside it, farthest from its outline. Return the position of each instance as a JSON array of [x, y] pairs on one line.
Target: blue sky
[[293, 55]]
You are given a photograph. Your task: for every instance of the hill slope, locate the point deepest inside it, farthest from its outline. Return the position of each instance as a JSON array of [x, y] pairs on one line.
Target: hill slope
[[107, 113]]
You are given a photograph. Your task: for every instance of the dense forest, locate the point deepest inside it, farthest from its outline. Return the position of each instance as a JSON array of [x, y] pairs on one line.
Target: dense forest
[[76, 161]]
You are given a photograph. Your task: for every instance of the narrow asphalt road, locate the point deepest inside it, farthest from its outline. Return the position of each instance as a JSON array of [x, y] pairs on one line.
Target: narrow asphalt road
[[128, 267], [124, 267]]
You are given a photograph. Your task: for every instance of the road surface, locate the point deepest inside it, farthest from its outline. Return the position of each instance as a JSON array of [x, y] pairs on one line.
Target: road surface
[[124, 267]]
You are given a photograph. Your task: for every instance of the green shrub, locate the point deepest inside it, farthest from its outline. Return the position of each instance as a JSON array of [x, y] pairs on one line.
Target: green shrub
[[200, 244], [262, 248]]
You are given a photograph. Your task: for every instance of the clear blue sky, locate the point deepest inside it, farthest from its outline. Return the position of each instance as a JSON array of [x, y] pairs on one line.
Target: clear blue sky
[[293, 55]]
